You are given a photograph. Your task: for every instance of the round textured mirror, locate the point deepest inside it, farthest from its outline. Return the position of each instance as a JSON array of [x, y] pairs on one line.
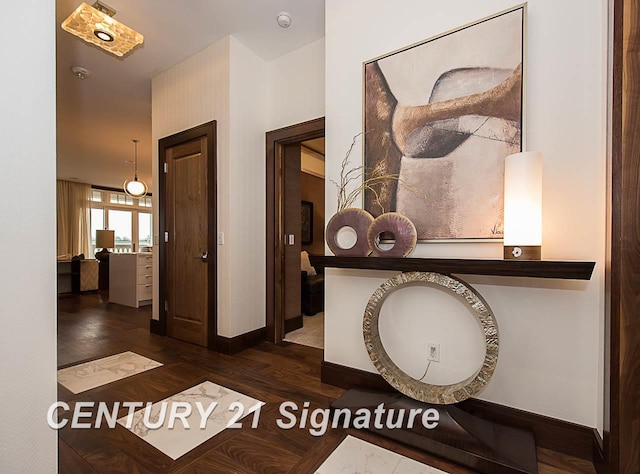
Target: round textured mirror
[[396, 377]]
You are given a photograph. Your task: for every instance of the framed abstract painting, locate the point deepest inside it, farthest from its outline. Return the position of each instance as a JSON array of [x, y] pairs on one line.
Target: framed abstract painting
[[440, 117]]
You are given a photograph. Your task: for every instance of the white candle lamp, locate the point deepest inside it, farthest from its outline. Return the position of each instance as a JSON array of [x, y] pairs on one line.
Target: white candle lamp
[[523, 206]]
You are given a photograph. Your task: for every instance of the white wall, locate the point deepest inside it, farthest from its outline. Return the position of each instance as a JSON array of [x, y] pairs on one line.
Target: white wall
[[296, 86], [27, 277], [225, 82], [549, 329]]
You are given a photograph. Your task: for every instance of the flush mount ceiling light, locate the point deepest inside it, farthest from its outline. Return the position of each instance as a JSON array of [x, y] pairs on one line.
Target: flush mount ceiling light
[[134, 187], [284, 19], [95, 25]]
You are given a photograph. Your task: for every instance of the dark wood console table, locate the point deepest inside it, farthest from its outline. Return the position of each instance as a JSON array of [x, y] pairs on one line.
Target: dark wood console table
[[565, 270], [461, 437]]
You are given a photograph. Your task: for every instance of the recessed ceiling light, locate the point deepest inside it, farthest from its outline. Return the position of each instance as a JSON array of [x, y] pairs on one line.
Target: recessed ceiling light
[[103, 35], [284, 19], [80, 72]]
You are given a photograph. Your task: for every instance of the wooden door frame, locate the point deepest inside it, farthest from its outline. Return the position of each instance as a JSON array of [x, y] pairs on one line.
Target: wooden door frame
[[207, 130], [276, 140], [619, 450]]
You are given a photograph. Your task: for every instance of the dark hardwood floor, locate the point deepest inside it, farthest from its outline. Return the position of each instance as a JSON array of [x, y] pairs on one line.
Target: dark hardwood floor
[[90, 328]]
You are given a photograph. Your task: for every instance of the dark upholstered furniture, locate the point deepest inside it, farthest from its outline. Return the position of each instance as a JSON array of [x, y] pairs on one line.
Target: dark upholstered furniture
[[312, 294], [312, 290]]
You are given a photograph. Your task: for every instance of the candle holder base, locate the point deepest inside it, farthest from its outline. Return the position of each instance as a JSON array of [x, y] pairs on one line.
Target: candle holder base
[[522, 252]]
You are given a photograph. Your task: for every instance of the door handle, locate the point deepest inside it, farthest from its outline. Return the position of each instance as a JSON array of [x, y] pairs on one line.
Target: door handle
[[204, 256]]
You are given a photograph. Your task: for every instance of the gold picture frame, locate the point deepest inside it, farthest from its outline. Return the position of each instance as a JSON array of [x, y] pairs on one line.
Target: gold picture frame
[[441, 115]]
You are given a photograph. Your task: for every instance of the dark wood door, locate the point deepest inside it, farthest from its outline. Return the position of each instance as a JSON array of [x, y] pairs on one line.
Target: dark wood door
[[292, 226], [189, 247]]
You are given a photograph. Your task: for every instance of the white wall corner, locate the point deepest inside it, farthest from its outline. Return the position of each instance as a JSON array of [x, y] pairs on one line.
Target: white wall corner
[[247, 97], [233, 86]]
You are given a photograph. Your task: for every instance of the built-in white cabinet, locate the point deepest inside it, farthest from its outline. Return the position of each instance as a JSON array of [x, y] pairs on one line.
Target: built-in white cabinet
[[131, 278]]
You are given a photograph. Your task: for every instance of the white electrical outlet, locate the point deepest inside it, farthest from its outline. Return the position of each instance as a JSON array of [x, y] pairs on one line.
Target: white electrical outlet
[[433, 351]]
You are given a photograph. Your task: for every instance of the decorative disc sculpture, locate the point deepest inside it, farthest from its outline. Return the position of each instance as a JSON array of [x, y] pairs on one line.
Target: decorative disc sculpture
[[403, 230], [357, 219]]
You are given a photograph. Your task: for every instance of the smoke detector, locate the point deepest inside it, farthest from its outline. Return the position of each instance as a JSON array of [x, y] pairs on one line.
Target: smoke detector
[[80, 72], [284, 19]]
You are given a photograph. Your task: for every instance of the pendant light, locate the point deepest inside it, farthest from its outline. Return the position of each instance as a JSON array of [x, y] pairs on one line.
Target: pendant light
[[134, 187]]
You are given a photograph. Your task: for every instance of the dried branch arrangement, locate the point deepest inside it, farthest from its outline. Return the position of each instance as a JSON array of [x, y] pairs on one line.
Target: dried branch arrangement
[[354, 178]]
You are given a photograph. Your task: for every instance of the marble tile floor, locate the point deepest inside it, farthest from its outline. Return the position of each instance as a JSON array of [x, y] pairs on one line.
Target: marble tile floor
[[177, 441], [354, 455], [310, 334], [82, 377]]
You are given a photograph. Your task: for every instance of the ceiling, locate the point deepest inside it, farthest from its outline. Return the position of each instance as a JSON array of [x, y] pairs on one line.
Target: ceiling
[[98, 117], [317, 145]]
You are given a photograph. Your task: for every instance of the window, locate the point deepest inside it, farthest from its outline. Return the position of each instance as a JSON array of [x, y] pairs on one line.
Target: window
[[121, 198], [120, 222], [145, 230], [97, 222], [129, 218]]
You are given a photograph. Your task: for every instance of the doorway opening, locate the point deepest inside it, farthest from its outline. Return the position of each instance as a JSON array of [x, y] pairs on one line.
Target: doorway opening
[[308, 328], [284, 207]]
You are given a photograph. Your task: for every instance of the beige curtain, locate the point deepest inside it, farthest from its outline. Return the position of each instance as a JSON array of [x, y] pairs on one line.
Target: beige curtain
[[73, 217]]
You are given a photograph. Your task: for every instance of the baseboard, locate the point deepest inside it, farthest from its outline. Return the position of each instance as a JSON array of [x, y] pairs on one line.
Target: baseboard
[[233, 345], [557, 435], [347, 377], [225, 345], [156, 328], [599, 460], [293, 324]]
